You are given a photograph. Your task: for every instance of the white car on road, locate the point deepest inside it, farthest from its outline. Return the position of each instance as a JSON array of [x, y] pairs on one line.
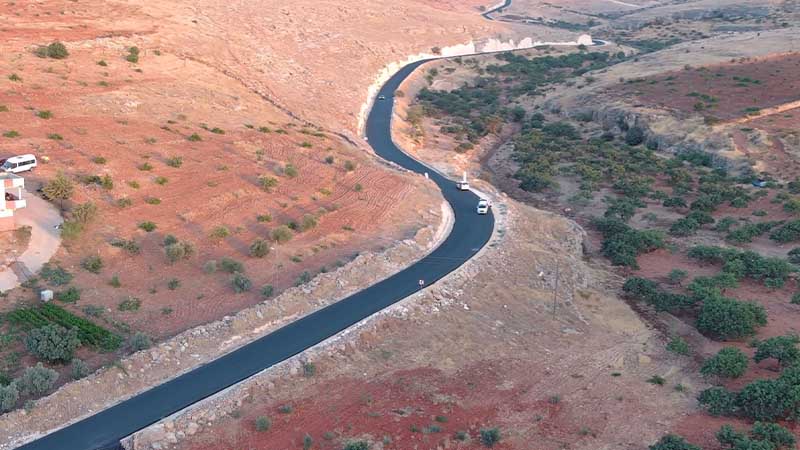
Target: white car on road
[[483, 206]]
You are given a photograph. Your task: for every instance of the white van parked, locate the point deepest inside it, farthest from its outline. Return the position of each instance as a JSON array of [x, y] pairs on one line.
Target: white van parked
[[17, 164]]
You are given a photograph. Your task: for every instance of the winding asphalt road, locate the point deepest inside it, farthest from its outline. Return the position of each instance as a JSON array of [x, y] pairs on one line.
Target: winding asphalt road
[[470, 233]]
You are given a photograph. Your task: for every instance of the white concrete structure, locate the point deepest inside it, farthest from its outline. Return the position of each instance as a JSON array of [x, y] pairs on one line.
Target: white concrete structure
[[11, 188]]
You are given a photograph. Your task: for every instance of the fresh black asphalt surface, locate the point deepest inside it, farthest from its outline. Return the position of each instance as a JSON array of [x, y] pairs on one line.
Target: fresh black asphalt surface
[[470, 233]]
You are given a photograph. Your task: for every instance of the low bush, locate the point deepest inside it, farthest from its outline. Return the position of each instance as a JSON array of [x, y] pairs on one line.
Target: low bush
[[241, 283], [729, 362], [92, 263], [140, 341], [678, 345], [231, 265], [9, 395], [36, 380], [178, 251], [147, 226], [490, 437], [263, 423], [673, 442], [259, 248], [789, 232], [282, 234], [78, 369]]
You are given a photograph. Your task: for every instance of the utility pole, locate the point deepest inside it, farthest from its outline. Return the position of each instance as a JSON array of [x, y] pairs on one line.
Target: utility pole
[[555, 292]]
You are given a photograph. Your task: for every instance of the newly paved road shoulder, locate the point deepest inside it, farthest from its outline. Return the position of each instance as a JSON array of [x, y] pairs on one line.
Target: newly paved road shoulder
[[470, 233]]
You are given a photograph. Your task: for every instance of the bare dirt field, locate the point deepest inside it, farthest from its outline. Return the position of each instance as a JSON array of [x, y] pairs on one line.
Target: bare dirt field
[[726, 91], [192, 121]]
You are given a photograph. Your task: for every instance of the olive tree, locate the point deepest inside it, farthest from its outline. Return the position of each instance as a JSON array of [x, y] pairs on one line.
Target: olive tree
[[53, 343]]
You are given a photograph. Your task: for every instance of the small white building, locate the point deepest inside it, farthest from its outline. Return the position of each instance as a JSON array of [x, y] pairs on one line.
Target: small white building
[[11, 188]]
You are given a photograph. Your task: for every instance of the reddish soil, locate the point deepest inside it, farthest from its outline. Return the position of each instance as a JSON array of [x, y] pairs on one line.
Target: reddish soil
[[773, 81], [394, 406], [111, 117], [780, 154]]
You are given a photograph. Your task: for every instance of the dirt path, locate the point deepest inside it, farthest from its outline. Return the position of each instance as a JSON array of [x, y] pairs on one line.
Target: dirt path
[[44, 219]]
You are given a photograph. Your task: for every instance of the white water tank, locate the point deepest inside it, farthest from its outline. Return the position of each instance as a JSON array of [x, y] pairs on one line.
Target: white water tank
[[586, 40]]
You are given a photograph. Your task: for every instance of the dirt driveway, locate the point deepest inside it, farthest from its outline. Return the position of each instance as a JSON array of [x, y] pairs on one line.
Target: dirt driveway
[[43, 218]]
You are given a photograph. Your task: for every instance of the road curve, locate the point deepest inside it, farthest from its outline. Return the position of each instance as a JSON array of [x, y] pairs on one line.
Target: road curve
[[469, 234]]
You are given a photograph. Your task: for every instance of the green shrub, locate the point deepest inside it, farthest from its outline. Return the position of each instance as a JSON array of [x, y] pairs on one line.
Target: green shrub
[[9, 395], [684, 227], [130, 304], [718, 401], [210, 266], [55, 275], [129, 245], [92, 263], [746, 233], [267, 290], [789, 232], [676, 276], [267, 183], [490, 437], [259, 248], [55, 50], [53, 343], [36, 380], [84, 213], [678, 345], [763, 400], [773, 433], [241, 283], [675, 202], [71, 295], [263, 423], [58, 188], [140, 341], [220, 232], [79, 369], [133, 55], [290, 171], [729, 362], [782, 348], [175, 161], [634, 136], [231, 265], [194, 137], [147, 226], [726, 318], [178, 251], [673, 442], [282, 234], [349, 166], [622, 244]]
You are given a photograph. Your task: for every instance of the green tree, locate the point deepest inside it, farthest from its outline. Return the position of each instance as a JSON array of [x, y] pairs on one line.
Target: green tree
[[718, 400], [763, 400], [8, 397], [782, 348], [36, 380], [726, 318], [729, 362], [53, 343], [673, 442], [59, 188], [773, 433]]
